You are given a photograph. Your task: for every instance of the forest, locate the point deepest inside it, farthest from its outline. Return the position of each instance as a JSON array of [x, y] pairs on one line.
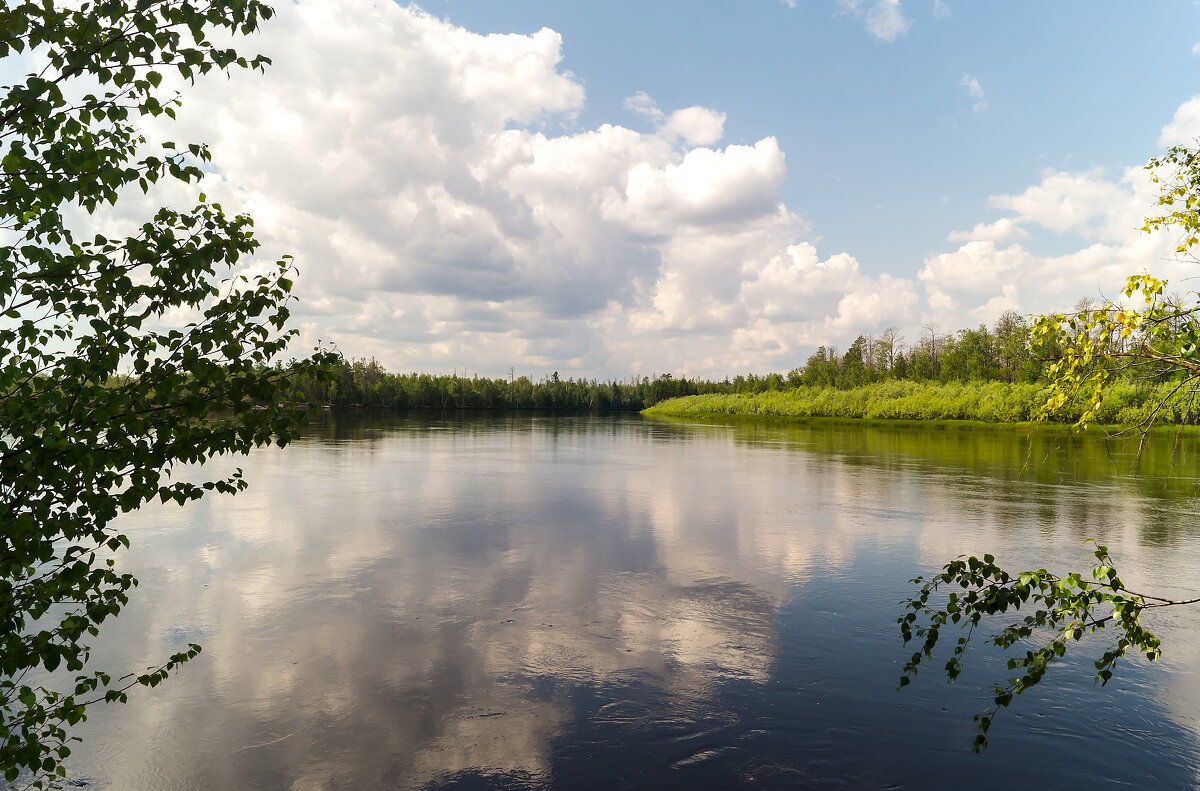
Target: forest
[[992, 374], [1000, 353]]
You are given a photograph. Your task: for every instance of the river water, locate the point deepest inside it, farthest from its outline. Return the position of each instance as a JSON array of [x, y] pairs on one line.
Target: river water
[[531, 602]]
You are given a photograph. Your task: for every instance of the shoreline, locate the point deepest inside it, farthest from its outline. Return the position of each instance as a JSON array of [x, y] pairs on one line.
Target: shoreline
[[1099, 430], [1125, 407]]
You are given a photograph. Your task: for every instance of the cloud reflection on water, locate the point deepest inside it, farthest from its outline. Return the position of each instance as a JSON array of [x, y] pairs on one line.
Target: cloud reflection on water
[[401, 606]]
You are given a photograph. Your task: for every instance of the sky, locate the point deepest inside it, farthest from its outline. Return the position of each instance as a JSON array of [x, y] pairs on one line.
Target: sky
[[705, 189]]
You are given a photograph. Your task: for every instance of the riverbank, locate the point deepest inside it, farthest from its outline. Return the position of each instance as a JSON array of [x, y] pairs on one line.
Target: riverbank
[[1125, 404]]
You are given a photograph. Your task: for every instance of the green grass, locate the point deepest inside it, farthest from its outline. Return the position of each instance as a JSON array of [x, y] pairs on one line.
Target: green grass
[[1125, 403]]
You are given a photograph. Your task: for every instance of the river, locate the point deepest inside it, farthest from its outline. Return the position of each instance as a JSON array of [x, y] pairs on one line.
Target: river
[[532, 602]]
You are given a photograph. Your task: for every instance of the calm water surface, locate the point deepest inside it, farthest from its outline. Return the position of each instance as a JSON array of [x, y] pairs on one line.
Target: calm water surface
[[444, 602]]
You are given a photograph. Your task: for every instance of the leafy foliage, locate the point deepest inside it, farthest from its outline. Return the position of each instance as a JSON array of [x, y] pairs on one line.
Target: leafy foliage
[[100, 399], [1151, 339], [1155, 337], [1155, 341], [1062, 610]]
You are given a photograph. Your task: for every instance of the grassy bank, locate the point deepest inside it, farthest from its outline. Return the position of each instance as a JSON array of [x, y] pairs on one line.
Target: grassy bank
[[988, 402]]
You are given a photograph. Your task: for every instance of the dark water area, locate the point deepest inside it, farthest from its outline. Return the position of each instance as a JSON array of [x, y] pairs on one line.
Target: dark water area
[[429, 601]]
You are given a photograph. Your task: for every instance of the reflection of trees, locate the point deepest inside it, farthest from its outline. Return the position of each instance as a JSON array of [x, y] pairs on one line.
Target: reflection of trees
[[1024, 467]]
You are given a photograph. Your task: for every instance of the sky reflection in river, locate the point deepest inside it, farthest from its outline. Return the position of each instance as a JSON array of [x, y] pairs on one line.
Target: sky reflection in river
[[427, 602]]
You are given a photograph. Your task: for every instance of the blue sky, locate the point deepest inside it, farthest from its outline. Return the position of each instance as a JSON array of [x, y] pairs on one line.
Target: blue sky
[[880, 131], [624, 188]]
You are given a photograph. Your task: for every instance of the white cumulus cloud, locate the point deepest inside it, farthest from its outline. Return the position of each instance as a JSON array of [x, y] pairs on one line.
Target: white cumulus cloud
[[1002, 230], [1184, 128], [696, 125], [1091, 204], [641, 104], [692, 125]]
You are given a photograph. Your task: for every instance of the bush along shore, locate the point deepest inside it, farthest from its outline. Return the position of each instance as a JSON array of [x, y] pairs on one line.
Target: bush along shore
[[1125, 403]]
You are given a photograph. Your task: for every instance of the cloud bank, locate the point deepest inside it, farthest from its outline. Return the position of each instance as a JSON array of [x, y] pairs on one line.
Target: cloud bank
[[447, 210]]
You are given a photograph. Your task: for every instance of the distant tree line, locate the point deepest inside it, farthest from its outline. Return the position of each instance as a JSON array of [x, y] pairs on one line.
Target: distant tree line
[[998, 354], [365, 383]]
